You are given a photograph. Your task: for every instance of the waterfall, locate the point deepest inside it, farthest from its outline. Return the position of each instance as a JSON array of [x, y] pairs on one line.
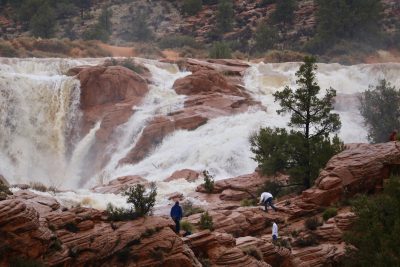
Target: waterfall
[[39, 105]]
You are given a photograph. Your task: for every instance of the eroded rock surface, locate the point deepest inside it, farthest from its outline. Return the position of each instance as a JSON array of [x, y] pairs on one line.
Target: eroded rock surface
[[360, 168]]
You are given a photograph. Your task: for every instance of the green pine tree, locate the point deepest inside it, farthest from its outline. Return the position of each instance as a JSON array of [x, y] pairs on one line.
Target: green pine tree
[[300, 153], [43, 22], [225, 15], [309, 112]]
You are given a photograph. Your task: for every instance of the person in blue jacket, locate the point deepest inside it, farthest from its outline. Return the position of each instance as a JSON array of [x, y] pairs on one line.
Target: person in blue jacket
[[176, 215]]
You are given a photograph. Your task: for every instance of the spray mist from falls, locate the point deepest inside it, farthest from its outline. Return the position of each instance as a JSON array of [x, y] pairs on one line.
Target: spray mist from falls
[[39, 106]]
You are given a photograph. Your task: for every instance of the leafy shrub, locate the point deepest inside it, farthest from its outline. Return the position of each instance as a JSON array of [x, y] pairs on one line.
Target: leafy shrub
[[55, 244], [71, 227], [4, 191], [43, 22], [7, 50], [178, 41], [139, 30], [38, 186], [191, 7], [208, 182], [312, 223], [248, 202], [283, 243], [206, 221], [284, 11], [265, 37], [149, 232], [264, 3], [380, 107], [123, 255], [102, 29], [306, 241], [142, 202], [187, 226], [157, 254], [189, 209], [205, 262], [295, 233], [253, 252], [220, 50], [120, 214], [374, 237], [329, 213], [225, 14]]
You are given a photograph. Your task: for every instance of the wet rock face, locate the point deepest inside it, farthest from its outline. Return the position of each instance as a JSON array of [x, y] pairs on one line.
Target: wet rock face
[[108, 94], [108, 84], [209, 95], [120, 184], [187, 174]]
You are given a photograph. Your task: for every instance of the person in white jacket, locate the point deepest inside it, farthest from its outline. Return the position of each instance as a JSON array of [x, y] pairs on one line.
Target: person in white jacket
[[266, 199], [274, 231]]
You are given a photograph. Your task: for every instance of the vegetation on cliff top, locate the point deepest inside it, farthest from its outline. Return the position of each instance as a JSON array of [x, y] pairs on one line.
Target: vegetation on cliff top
[[380, 107], [342, 27], [374, 239]]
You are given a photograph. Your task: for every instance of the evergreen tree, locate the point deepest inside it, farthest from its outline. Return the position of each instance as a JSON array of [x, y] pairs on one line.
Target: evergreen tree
[[83, 5], [102, 29], [220, 50], [348, 20], [284, 11], [303, 152], [140, 30], [265, 38], [380, 107], [309, 113], [225, 15], [192, 7], [43, 22], [104, 21]]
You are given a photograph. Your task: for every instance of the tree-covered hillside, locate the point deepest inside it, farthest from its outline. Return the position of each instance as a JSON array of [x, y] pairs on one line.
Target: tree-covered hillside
[[280, 29]]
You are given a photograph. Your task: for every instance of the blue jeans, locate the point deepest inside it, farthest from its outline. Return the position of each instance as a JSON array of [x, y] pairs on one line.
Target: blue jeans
[[268, 202]]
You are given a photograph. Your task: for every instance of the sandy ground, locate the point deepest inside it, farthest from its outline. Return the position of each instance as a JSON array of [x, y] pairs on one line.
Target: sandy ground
[[118, 51]]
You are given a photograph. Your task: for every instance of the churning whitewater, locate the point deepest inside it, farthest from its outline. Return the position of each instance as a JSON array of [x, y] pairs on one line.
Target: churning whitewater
[[39, 108]]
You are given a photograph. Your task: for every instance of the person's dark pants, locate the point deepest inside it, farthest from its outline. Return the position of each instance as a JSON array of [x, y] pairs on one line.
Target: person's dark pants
[[177, 225], [274, 238], [269, 202]]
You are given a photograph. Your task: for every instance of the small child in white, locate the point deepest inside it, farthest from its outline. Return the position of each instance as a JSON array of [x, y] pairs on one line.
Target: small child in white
[[274, 231]]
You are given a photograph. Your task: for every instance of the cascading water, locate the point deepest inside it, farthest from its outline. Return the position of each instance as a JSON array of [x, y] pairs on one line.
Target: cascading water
[[39, 105]]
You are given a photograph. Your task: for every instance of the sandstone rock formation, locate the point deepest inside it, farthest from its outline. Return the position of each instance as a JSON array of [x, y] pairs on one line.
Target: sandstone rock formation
[[238, 188], [220, 251], [118, 185], [359, 168], [188, 175], [82, 236], [108, 94]]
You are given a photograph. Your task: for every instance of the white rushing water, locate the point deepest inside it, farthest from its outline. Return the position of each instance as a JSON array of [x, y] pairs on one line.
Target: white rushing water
[[39, 105]]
